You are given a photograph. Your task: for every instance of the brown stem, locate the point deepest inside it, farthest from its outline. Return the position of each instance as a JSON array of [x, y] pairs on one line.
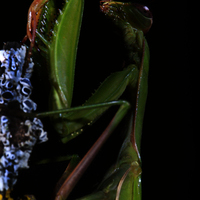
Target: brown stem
[[75, 176]]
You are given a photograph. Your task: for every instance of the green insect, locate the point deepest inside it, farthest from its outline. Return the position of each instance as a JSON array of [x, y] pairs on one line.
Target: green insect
[[123, 180]]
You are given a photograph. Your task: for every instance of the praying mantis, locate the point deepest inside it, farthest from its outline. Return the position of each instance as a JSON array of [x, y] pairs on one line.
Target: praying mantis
[[58, 45]]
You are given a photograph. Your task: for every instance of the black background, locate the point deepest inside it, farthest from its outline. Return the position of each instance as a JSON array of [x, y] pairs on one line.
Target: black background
[[168, 151]]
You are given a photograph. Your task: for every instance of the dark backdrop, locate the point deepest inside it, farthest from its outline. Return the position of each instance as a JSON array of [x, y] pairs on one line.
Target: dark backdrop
[[168, 151]]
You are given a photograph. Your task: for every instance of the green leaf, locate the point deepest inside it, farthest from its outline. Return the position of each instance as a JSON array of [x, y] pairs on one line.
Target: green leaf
[[63, 52]]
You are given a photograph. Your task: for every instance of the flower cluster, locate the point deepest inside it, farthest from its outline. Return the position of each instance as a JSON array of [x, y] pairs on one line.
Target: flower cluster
[[18, 135], [17, 147], [14, 87]]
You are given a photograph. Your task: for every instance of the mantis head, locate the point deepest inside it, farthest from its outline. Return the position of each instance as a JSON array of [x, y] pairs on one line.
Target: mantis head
[[137, 15]]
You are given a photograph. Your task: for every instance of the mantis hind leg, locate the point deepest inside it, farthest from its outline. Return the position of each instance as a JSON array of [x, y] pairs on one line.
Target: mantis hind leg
[[79, 170], [69, 121]]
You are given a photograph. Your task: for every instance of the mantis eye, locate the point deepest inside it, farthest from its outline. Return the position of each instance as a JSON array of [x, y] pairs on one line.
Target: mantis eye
[[144, 10]]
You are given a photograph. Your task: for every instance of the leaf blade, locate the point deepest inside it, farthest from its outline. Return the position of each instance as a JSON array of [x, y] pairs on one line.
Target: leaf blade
[[63, 52]]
